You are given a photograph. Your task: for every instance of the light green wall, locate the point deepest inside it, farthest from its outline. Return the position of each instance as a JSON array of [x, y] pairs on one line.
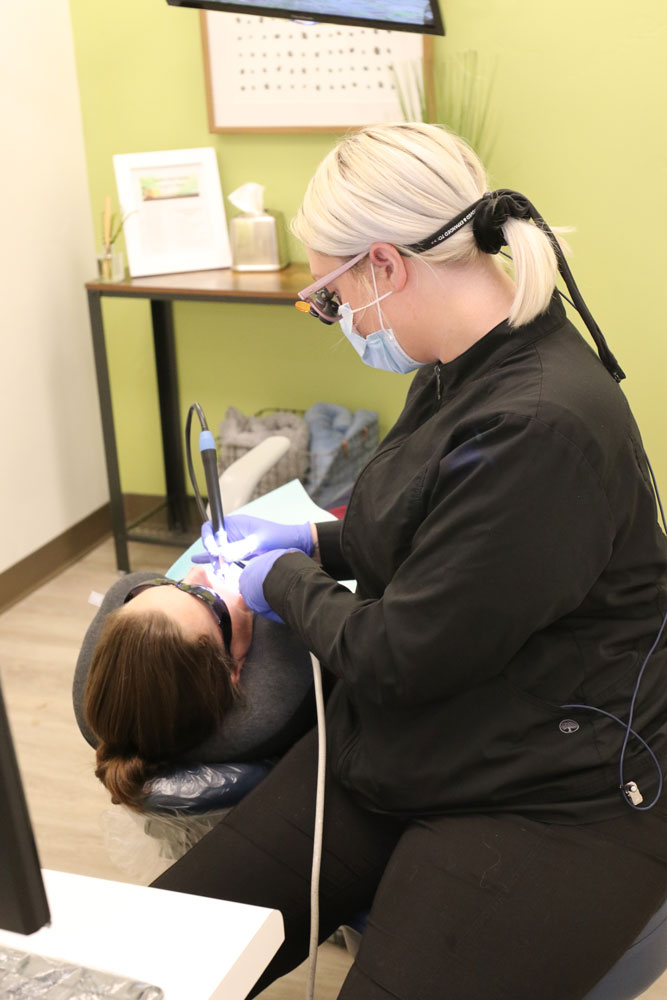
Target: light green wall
[[578, 106]]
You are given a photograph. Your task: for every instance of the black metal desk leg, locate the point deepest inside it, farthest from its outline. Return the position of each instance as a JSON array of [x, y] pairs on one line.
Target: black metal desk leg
[[108, 431], [172, 436]]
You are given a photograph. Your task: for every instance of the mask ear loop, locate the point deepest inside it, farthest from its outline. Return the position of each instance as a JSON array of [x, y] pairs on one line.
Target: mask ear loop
[[378, 298], [375, 289]]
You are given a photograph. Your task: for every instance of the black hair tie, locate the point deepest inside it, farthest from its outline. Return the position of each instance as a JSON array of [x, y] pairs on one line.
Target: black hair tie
[[492, 212]]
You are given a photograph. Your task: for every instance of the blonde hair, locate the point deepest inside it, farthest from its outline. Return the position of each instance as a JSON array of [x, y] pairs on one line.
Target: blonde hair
[[399, 183]]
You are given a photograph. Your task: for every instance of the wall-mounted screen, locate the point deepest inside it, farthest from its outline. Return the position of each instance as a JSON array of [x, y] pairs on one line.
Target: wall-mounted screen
[[422, 16]]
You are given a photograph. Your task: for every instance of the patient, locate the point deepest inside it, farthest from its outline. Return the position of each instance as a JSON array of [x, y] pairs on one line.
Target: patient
[[168, 675]]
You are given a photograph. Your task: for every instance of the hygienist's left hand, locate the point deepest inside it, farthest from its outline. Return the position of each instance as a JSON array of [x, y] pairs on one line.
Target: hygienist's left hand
[[251, 582]]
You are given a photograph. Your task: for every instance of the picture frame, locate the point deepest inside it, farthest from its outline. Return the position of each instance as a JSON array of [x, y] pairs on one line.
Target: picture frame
[[174, 212], [272, 75]]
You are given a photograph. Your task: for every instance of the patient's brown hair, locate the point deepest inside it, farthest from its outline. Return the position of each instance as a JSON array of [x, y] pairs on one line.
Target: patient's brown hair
[[151, 695]]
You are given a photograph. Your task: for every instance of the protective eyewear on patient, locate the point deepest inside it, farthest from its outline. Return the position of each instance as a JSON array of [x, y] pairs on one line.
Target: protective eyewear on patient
[[211, 600], [318, 301]]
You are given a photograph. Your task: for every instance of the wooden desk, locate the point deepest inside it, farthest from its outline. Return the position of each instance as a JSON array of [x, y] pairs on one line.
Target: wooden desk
[[257, 288], [193, 947]]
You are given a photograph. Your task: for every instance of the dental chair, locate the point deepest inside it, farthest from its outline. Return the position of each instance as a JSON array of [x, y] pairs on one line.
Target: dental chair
[[640, 966], [238, 480], [182, 805]]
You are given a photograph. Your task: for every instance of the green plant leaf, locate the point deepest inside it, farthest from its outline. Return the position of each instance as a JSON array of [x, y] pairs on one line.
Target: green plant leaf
[[462, 97]]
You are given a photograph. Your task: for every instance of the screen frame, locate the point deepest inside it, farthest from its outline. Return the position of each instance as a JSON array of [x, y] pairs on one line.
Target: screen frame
[[438, 27], [23, 904]]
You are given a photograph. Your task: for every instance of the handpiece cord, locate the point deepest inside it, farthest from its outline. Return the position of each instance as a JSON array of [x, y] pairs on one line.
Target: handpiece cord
[[321, 735], [318, 831], [209, 459], [195, 408]]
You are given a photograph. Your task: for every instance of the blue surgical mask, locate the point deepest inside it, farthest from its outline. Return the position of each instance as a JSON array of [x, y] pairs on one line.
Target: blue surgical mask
[[379, 349]]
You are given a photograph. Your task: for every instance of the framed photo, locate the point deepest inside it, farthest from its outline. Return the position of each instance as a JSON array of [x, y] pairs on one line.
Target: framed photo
[[267, 74], [175, 217]]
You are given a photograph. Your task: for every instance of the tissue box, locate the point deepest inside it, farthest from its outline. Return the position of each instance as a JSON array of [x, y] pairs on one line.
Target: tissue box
[[258, 242]]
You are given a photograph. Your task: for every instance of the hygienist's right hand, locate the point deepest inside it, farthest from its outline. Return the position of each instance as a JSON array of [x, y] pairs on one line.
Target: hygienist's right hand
[[249, 536]]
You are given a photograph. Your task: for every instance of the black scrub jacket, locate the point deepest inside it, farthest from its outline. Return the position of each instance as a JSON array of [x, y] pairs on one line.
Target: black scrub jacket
[[505, 542]]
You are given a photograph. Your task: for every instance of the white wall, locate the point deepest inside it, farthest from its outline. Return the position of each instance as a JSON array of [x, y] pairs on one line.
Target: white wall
[[51, 457]]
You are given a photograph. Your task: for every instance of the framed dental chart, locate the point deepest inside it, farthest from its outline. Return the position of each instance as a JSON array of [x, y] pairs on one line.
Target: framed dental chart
[[274, 75]]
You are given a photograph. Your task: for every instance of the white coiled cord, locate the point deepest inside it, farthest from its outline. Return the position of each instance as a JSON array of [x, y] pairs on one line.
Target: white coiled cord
[[318, 831]]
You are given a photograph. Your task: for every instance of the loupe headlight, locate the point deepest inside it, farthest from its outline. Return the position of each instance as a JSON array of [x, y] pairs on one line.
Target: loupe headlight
[[322, 304]]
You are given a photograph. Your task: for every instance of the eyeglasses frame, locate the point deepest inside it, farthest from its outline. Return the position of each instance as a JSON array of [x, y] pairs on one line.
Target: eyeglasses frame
[[206, 596], [317, 286]]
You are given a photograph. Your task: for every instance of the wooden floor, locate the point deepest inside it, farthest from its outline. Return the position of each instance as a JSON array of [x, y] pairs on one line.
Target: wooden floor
[[39, 642]]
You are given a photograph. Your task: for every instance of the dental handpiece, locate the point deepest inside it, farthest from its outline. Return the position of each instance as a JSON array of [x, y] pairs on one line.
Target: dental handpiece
[[210, 462]]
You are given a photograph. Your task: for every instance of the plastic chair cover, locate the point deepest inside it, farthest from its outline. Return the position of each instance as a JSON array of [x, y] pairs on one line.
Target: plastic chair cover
[[199, 788], [182, 806]]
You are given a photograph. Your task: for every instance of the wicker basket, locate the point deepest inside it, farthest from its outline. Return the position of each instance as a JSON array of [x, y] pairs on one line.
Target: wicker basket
[[328, 476], [293, 465]]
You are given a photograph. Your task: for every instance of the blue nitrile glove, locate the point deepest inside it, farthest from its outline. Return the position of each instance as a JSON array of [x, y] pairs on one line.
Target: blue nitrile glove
[[251, 583], [249, 536], [212, 549]]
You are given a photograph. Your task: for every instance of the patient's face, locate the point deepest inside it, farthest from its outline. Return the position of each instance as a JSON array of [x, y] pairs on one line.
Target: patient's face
[[194, 617]]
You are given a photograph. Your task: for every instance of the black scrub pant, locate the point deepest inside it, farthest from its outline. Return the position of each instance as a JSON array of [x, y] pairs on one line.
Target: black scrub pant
[[481, 907]]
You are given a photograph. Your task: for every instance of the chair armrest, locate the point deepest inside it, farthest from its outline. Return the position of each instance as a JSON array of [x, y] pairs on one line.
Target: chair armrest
[[239, 479]]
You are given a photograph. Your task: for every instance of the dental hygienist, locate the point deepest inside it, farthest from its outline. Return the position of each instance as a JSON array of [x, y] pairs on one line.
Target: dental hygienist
[[506, 831]]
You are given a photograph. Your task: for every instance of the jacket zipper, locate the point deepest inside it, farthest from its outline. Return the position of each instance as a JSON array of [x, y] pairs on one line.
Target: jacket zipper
[[438, 388]]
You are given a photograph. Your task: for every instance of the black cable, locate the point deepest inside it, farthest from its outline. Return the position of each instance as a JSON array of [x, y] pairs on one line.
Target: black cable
[[627, 726], [562, 294], [188, 451], [488, 216], [606, 356]]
